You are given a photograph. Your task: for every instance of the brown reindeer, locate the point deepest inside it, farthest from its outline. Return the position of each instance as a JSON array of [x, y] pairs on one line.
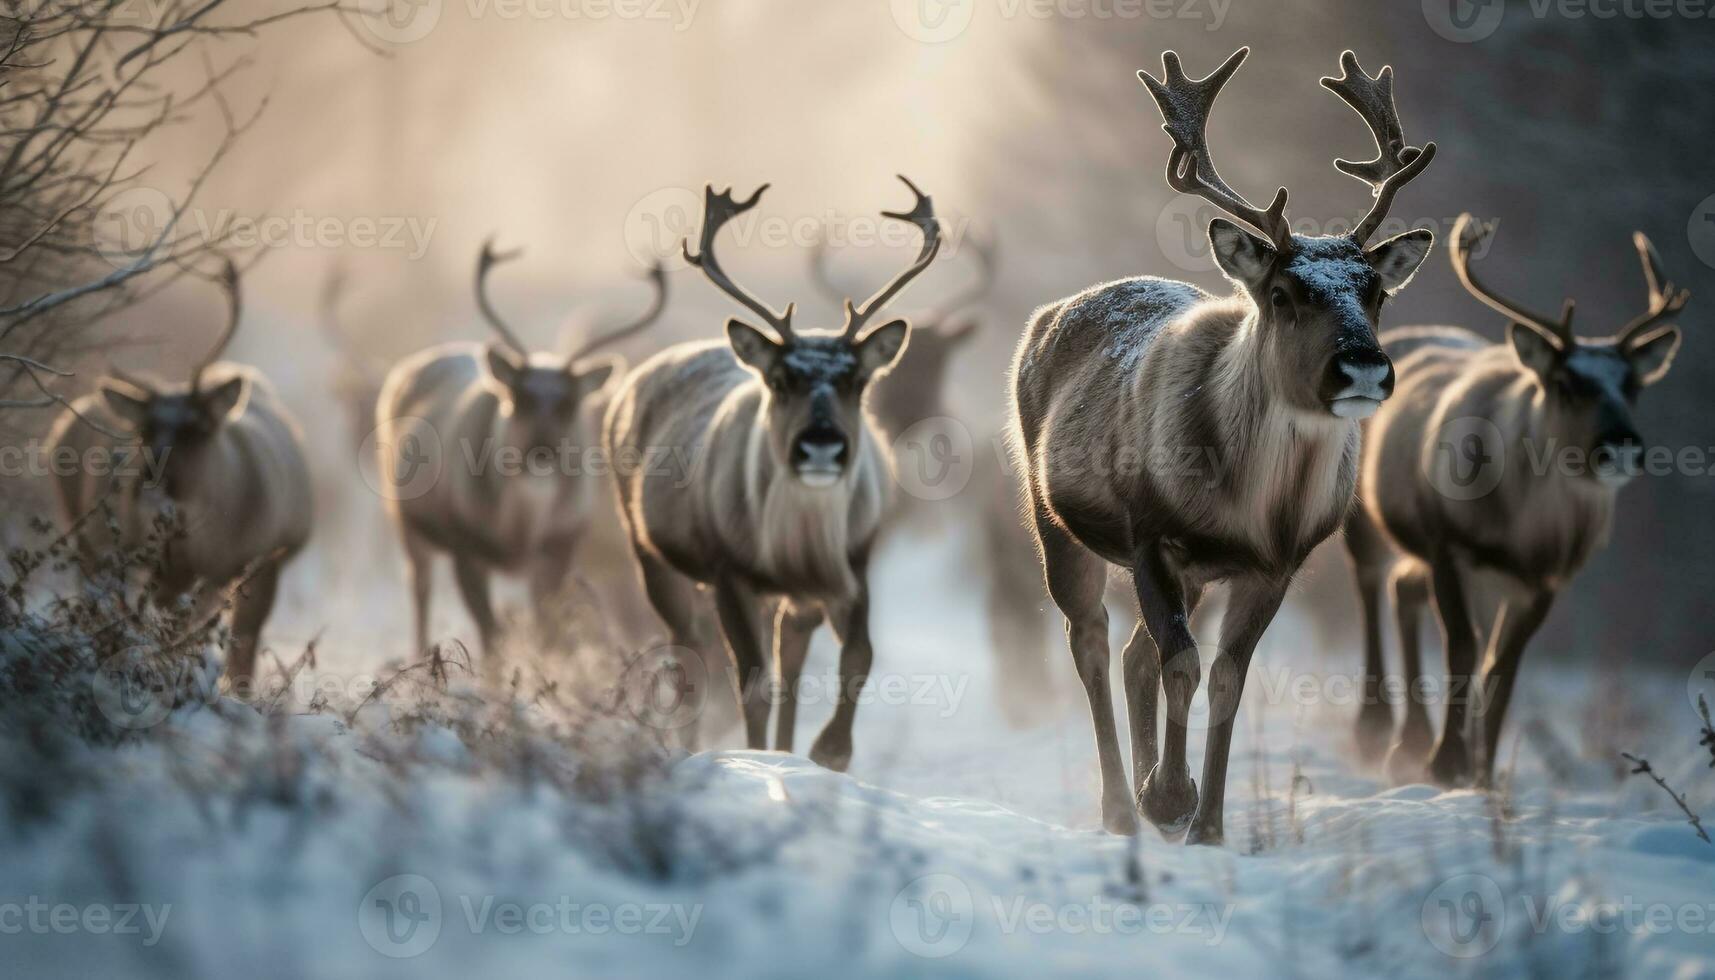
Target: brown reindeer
[[221, 458], [1195, 439], [1492, 474], [787, 489], [510, 433]]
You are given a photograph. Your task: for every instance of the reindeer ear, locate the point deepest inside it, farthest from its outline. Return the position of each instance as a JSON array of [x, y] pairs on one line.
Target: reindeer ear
[[505, 364], [1652, 356], [1398, 259], [752, 346], [881, 347], [1534, 349], [223, 401], [595, 375], [130, 404], [1243, 257]]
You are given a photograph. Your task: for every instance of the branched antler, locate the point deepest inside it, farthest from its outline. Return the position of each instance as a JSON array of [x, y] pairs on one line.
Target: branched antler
[[1185, 104], [922, 214], [1396, 164], [1664, 300], [657, 276], [228, 280], [1468, 233], [718, 209], [485, 262]]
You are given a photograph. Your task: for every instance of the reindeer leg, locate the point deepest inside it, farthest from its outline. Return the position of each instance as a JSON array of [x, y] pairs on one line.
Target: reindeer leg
[[255, 600], [1410, 585], [1168, 795], [833, 747], [1450, 764], [1375, 715], [1254, 603], [674, 599], [1141, 666], [419, 572], [1518, 622], [472, 578], [793, 626], [548, 573], [737, 607]]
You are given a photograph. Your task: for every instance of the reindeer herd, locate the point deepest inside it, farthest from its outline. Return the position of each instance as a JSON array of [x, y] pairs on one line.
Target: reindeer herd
[[1309, 417]]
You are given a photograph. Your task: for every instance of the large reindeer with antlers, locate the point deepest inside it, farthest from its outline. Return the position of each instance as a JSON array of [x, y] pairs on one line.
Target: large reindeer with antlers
[[915, 387], [1494, 463], [1270, 380], [789, 488], [221, 460], [510, 432]]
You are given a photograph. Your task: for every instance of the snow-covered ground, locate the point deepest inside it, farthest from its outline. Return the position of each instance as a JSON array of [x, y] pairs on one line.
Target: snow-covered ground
[[956, 846]]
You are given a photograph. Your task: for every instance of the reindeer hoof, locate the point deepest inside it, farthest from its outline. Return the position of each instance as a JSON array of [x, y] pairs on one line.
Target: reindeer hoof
[[1167, 798], [832, 752], [1375, 732], [1119, 819], [1206, 833]]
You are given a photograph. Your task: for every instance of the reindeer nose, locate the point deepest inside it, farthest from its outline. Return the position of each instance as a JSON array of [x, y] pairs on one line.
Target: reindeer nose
[[1359, 377], [820, 450], [1618, 457]]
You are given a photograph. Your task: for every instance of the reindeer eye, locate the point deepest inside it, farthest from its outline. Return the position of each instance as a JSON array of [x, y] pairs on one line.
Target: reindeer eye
[[1278, 299]]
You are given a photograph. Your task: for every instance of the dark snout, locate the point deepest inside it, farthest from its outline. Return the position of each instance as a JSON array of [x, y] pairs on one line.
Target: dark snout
[[1618, 456], [819, 455], [1357, 381]]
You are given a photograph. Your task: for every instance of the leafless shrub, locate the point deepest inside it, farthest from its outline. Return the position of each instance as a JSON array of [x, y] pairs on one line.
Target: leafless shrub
[[1641, 766]]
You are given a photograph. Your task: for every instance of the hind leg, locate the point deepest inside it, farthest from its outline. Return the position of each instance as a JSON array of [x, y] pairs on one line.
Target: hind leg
[[1076, 581], [255, 600], [1410, 587], [674, 599], [1168, 796], [472, 578], [419, 576]]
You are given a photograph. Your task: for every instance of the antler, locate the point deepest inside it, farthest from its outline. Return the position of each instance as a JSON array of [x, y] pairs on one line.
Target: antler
[[922, 214], [1396, 164], [131, 379], [1664, 299], [1185, 104], [485, 261], [985, 253], [718, 209], [1467, 234], [658, 276], [235, 305]]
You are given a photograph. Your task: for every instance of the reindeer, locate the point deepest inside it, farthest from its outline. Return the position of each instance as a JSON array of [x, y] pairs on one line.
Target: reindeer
[[915, 388], [500, 422], [789, 487], [221, 460], [1267, 383], [1493, 470], [357, 376]]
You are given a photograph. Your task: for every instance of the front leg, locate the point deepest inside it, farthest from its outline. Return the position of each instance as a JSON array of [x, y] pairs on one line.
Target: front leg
[[1450, 763], [1519, 621], [1168, 795], [833, 747], [1253, 605], [737, 607], [793, 626], [549, 570]]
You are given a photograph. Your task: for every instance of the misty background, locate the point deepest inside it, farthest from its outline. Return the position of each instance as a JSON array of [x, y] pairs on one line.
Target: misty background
[[584, 132]]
